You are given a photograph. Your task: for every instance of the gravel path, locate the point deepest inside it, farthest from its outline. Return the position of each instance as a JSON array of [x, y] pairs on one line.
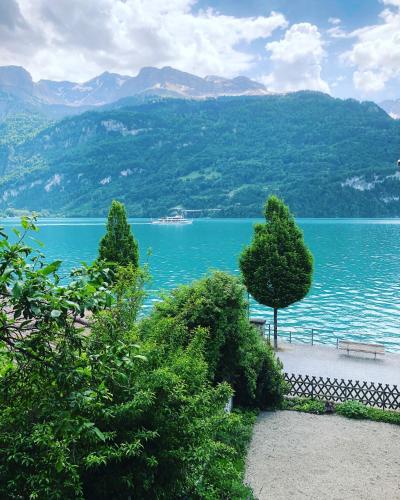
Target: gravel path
[[296, 456]]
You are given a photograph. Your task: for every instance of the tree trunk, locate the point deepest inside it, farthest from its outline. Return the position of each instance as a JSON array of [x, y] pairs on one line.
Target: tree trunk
[[275, 328]]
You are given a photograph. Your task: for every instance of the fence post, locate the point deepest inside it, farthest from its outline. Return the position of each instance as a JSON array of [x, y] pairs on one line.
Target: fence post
[[337, 342], [312, 336], [312, 388], [290, 336]]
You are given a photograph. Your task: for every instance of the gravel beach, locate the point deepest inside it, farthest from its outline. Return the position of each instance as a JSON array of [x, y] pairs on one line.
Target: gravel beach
[[301, 456]]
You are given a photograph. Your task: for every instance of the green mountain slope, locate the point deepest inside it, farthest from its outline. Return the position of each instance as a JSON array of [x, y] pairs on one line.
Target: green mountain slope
[[324, 156]]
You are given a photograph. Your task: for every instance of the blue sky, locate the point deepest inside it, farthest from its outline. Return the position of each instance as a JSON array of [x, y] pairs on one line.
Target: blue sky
[[348, 48], [348, 15]]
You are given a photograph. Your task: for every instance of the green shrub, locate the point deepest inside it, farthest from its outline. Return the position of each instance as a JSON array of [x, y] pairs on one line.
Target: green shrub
[[349, 409], [122, 419], [304, 405], [354, 409], [235, 352], [113, 414]]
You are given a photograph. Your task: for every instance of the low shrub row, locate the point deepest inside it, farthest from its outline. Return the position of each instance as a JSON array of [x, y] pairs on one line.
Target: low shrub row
[[349, 409], [354, 409]]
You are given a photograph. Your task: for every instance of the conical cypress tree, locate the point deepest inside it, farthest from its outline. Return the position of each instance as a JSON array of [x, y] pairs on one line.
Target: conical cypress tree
[[277, 266], [118, 244]]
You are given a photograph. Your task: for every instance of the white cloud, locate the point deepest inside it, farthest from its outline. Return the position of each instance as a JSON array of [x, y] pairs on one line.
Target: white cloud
[[297, 59], [334, 20], [75, 40], [376, 51], [368, 81], [395, 3], [338, 32]]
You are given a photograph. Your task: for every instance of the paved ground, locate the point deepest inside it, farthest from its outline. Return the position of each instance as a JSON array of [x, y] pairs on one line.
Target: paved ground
[[329, 362], [298, 456]]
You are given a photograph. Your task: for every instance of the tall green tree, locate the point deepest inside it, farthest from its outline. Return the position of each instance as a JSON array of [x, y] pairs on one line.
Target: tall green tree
[[277, 266], [118, 244]]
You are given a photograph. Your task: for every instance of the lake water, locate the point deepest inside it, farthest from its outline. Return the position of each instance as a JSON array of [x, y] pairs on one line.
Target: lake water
[[356, 289]]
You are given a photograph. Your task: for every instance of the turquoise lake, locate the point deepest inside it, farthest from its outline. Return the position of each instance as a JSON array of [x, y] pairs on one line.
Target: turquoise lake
[[356, 289]]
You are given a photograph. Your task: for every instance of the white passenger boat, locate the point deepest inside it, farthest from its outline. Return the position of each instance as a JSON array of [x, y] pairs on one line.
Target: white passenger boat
[[176, 220]]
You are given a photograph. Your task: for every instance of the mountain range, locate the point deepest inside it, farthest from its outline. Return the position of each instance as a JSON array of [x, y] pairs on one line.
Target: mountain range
[[110, 87], [166, 139], [55, 99], [326, 157]]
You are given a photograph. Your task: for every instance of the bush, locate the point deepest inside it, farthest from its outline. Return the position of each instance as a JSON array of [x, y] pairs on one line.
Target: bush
[[354, 409], [235, 352], [127, 411], [122, 419], [349, 409], [304, 405]]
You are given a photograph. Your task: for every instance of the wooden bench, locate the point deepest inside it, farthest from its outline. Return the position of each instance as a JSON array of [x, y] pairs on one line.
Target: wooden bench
[[348, 346]]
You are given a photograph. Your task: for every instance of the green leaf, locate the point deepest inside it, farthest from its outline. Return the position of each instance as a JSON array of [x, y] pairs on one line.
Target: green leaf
[[59, 466], [25, 222], [139, 356], [51, 268], [99, 434], [17, 289], [55, 313]]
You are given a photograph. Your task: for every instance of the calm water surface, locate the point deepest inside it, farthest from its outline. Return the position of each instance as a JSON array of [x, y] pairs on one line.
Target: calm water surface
[[356, 290]]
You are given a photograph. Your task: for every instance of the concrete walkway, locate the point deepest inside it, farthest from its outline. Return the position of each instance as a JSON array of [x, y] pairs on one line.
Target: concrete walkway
[[297, 456], [329, 362]]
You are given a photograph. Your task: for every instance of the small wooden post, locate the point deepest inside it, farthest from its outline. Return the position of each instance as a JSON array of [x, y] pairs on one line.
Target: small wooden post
[[312, 336]]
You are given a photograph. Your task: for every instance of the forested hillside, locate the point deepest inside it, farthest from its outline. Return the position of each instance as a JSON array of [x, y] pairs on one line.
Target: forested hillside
[[324, 156]]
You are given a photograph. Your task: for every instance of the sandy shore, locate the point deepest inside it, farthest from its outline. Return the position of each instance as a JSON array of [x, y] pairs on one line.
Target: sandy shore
[[301, 456]]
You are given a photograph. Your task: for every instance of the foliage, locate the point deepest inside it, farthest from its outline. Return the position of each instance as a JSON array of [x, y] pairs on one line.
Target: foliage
[[277, 266], [118, 245], [349, 409], [305, 405], [354, 409], [20, 127], [114, 413], [325, 157], [235, 352], [35, 303]]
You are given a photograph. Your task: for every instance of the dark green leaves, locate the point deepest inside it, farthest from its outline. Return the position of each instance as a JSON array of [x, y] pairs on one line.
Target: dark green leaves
[[277, 266], [118, 246]]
